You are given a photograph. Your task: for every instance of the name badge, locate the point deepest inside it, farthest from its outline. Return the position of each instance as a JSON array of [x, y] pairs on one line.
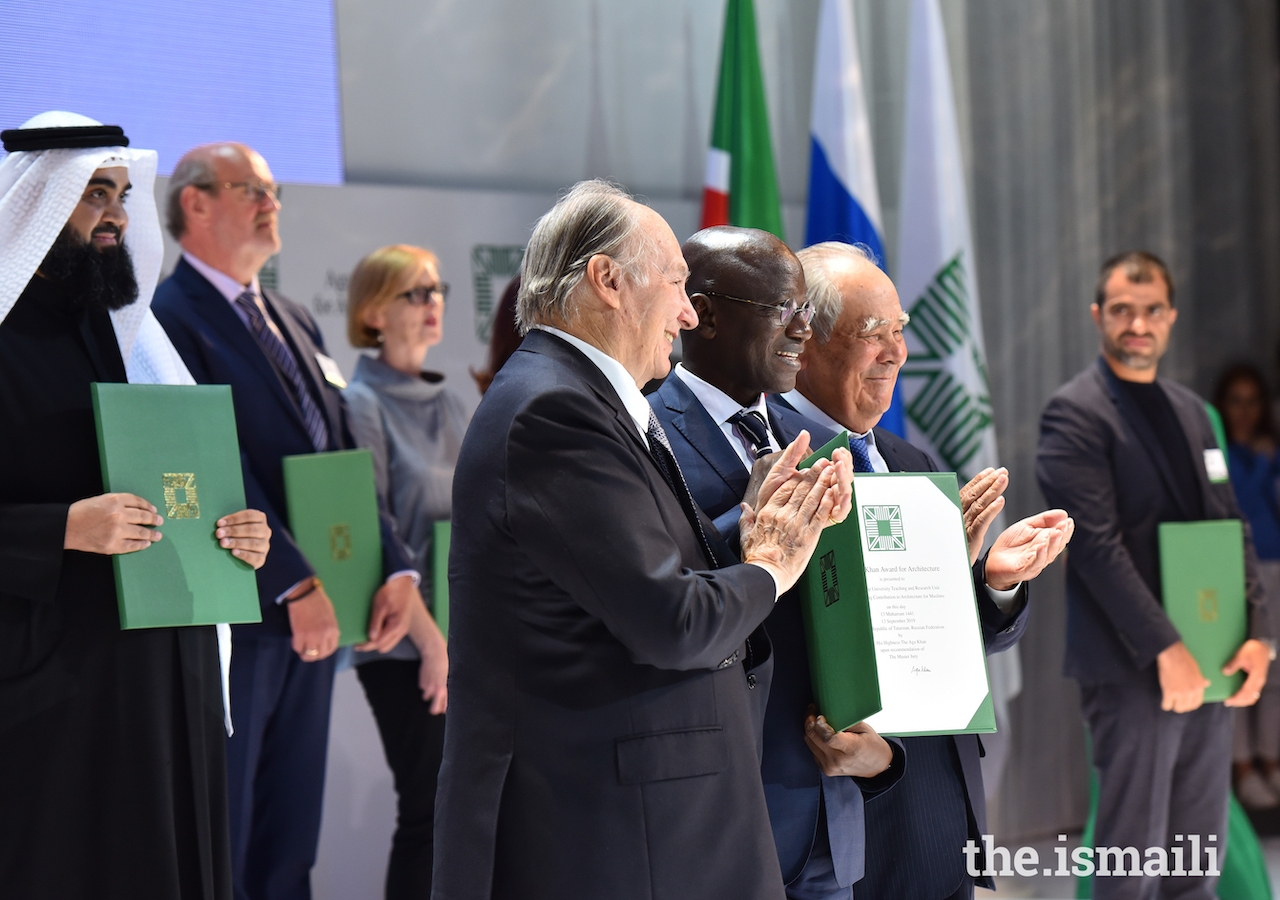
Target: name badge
[[1215, 465], [333, 374]]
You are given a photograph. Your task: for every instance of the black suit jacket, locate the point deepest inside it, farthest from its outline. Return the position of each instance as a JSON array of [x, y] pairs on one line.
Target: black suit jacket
[[1100, 461], [219, 349], [599, 741]]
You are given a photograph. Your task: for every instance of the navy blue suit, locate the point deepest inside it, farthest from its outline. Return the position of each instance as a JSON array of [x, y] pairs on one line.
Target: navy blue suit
[[276, 758], [795, 788]]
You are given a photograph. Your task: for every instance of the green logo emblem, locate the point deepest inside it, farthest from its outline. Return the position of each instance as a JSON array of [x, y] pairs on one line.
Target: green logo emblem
[[492, 267], [180, 500], [830, 583], [883, 527]]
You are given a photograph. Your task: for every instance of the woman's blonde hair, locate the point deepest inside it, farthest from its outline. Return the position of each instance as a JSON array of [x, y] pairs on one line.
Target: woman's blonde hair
[[377, 279]]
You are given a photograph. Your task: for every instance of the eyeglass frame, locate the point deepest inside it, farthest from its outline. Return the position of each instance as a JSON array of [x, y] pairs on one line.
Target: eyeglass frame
[[805, 310], [441, 290], [261, 189]]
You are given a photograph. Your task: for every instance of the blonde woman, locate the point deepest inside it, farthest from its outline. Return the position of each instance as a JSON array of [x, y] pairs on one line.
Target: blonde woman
[[413, 425]]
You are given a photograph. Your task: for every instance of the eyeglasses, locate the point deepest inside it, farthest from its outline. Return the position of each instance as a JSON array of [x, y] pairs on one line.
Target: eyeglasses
[[421, 296], [253, 191], [786, 312], [1126, 312]]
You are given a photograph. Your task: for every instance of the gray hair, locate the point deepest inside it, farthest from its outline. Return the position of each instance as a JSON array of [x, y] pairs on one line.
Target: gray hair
[[594, 217], [193, 169], [825, 296]]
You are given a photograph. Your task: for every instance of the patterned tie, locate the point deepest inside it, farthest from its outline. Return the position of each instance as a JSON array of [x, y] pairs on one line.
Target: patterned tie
[[861, 458], [660, 450], [752, 426], [277, 350]]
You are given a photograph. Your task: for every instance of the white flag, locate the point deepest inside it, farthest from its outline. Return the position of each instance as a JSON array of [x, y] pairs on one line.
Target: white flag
[[948, 401]]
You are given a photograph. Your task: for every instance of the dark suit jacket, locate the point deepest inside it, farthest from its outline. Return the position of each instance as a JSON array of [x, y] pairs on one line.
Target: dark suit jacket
[[793, 784], [219, 349], [1100, 461], [1000, 631], [599, 741]]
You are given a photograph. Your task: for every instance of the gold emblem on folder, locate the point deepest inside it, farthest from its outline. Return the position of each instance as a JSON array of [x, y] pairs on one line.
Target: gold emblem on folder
[[180, 500], [340, 541], [1207, 603]]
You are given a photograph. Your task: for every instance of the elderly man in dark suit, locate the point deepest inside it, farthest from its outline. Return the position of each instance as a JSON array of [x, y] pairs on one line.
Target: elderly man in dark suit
[[222, 209], [915, 834], [600, 740], [1123, 451]]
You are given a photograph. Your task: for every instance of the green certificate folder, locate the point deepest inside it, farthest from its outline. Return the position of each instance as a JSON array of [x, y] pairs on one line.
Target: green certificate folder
[[837, 619], [333, 514], [1202, 582], [176, 446], [440, 576]]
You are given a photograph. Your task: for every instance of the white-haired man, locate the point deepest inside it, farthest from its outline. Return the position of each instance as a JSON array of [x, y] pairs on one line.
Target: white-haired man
[[601, 739], [112, 757], [916, 833]]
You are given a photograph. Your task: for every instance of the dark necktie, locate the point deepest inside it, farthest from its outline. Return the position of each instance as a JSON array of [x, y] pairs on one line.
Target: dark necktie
[[660, 450], [754, 429], [861, 458], [276, 349]]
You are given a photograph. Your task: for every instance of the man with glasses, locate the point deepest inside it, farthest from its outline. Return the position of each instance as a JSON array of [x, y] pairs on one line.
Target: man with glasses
[[748, 290], [1123, 451], [916, 833], [223, 207]]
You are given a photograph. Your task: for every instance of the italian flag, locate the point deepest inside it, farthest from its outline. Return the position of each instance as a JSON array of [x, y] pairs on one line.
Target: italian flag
[[741, 186]]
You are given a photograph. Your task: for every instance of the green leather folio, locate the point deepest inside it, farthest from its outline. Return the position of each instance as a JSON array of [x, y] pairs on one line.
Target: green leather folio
[[333, 514], [440, 576], [837, 619], [1202, 582], [176, 446]]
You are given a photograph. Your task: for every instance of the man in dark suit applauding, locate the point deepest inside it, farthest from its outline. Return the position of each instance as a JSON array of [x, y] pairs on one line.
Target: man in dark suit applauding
[[222, 209], [1123, 451], [600, 740], [915, 833], [748, 290]]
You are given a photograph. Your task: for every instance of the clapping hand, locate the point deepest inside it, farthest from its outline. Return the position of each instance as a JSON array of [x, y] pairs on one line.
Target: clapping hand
[[1025, 548], [981, 501]]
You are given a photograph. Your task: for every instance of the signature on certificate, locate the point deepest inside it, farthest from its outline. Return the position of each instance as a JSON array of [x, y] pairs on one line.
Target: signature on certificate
[[918, 670]]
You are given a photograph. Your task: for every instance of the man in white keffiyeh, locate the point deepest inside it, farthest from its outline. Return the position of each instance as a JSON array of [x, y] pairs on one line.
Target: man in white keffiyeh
[[112, 760]]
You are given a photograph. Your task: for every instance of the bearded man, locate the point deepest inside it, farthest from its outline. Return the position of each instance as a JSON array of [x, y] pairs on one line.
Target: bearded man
[[112, 757]]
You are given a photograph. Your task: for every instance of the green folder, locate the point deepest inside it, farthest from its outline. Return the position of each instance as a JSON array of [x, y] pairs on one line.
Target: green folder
[[837, 619], [176, 446], [1202, 582], [333, 514], [440, 576]]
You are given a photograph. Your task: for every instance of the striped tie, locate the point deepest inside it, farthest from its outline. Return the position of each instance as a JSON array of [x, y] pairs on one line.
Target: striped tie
[[660, 450], [752, 426], [277, 350]]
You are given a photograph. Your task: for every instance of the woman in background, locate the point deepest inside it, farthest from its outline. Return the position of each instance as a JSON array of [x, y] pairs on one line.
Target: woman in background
[[413, 425], [504, 338], [1242, 400]]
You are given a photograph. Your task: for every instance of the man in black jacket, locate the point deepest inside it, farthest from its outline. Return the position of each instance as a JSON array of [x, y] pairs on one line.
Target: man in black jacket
[[1123, 451], [915, 833], [600, 740]]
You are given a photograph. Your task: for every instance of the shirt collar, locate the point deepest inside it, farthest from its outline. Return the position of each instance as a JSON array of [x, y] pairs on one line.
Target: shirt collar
[[719, 405], [616, 373], [227, 286]]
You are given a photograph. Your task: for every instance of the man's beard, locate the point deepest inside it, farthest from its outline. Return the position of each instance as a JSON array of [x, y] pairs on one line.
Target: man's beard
[[1139, 361], [92, 278]]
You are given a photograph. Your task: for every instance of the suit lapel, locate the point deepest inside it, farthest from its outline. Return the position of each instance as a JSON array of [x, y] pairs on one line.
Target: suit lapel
[[215, 310], [1132, 418], [703, 434], [888, 452]]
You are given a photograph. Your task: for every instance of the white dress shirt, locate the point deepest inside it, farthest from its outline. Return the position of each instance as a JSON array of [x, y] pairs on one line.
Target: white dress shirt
[[1004, 600], [721, 407], [231, 289]]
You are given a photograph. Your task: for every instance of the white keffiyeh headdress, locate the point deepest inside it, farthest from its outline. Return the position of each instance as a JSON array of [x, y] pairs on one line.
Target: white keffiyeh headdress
[[39, 189]]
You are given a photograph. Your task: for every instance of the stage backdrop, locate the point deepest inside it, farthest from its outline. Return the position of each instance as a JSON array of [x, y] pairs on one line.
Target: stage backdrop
[[479, 237]]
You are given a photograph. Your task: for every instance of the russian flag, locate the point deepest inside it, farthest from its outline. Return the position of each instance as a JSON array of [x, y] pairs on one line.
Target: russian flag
[[844, 200]]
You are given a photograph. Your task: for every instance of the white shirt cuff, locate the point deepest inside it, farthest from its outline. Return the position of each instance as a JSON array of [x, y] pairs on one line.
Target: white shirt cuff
[[412, 573], [1004, 600], [295, 586]]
